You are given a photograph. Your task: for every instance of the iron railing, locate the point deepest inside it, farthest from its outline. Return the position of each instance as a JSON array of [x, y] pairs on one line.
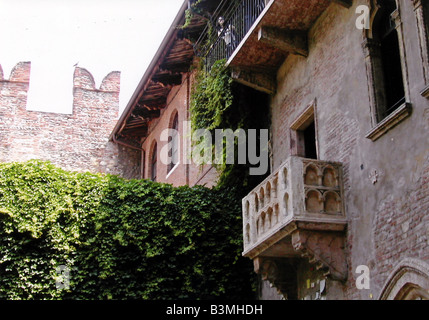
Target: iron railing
[[218, 41]]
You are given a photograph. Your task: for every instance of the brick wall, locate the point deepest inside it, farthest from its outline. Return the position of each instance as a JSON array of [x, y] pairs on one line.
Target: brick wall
[[401, 227], [78, 141], [386, 181], [184, 173]]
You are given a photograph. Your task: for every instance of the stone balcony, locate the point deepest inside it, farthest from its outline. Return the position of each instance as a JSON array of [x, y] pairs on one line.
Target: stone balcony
[[298, 211]]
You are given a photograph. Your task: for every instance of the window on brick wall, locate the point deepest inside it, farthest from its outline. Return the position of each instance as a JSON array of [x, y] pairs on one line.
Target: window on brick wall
[[153, 163], [386, 68], [173, 141], [391, 77], [304, 134]]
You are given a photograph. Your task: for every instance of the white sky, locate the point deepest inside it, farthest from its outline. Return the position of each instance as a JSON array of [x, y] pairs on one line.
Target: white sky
[[101, 35]]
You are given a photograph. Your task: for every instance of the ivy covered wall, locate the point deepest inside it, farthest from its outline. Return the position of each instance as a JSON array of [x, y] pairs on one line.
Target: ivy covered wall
[[218, 102], [119, 239]]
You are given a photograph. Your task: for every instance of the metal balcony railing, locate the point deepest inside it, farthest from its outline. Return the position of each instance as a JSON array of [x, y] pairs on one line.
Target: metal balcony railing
[[219, 40]]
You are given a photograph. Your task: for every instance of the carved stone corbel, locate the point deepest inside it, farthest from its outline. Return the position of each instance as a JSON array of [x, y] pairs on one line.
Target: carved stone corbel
[[281, 274], [324, 249]]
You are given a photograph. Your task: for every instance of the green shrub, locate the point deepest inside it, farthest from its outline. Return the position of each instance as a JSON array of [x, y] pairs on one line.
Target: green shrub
[[120, 239]]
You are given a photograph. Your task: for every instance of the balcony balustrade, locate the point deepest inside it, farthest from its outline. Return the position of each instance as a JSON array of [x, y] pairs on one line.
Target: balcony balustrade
[[301, 200]]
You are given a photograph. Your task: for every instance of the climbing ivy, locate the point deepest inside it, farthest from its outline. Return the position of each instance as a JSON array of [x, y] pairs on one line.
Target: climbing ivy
[[211, 96], [217, 102], [119, 239], [195, 8]]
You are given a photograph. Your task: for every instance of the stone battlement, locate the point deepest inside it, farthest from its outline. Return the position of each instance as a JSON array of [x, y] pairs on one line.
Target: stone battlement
[[77, 141]]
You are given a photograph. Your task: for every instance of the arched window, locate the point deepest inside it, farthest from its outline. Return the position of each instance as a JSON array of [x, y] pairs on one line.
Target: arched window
[[153, 162], [409, 280], [173, 141]]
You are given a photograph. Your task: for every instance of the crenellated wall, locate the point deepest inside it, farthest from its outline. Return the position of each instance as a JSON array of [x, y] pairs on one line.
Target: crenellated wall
[[77, 141]]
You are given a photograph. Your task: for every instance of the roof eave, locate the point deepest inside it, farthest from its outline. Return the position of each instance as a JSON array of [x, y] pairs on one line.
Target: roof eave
[[156, 60]]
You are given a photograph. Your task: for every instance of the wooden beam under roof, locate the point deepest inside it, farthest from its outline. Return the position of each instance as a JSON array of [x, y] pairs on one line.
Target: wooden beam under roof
[[148, 114], [167, 77]]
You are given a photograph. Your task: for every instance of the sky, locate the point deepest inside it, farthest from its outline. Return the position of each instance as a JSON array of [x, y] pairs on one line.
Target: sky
[[99, 35]]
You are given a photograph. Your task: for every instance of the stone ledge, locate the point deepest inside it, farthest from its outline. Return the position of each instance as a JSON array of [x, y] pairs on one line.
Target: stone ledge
[[389, 122]]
